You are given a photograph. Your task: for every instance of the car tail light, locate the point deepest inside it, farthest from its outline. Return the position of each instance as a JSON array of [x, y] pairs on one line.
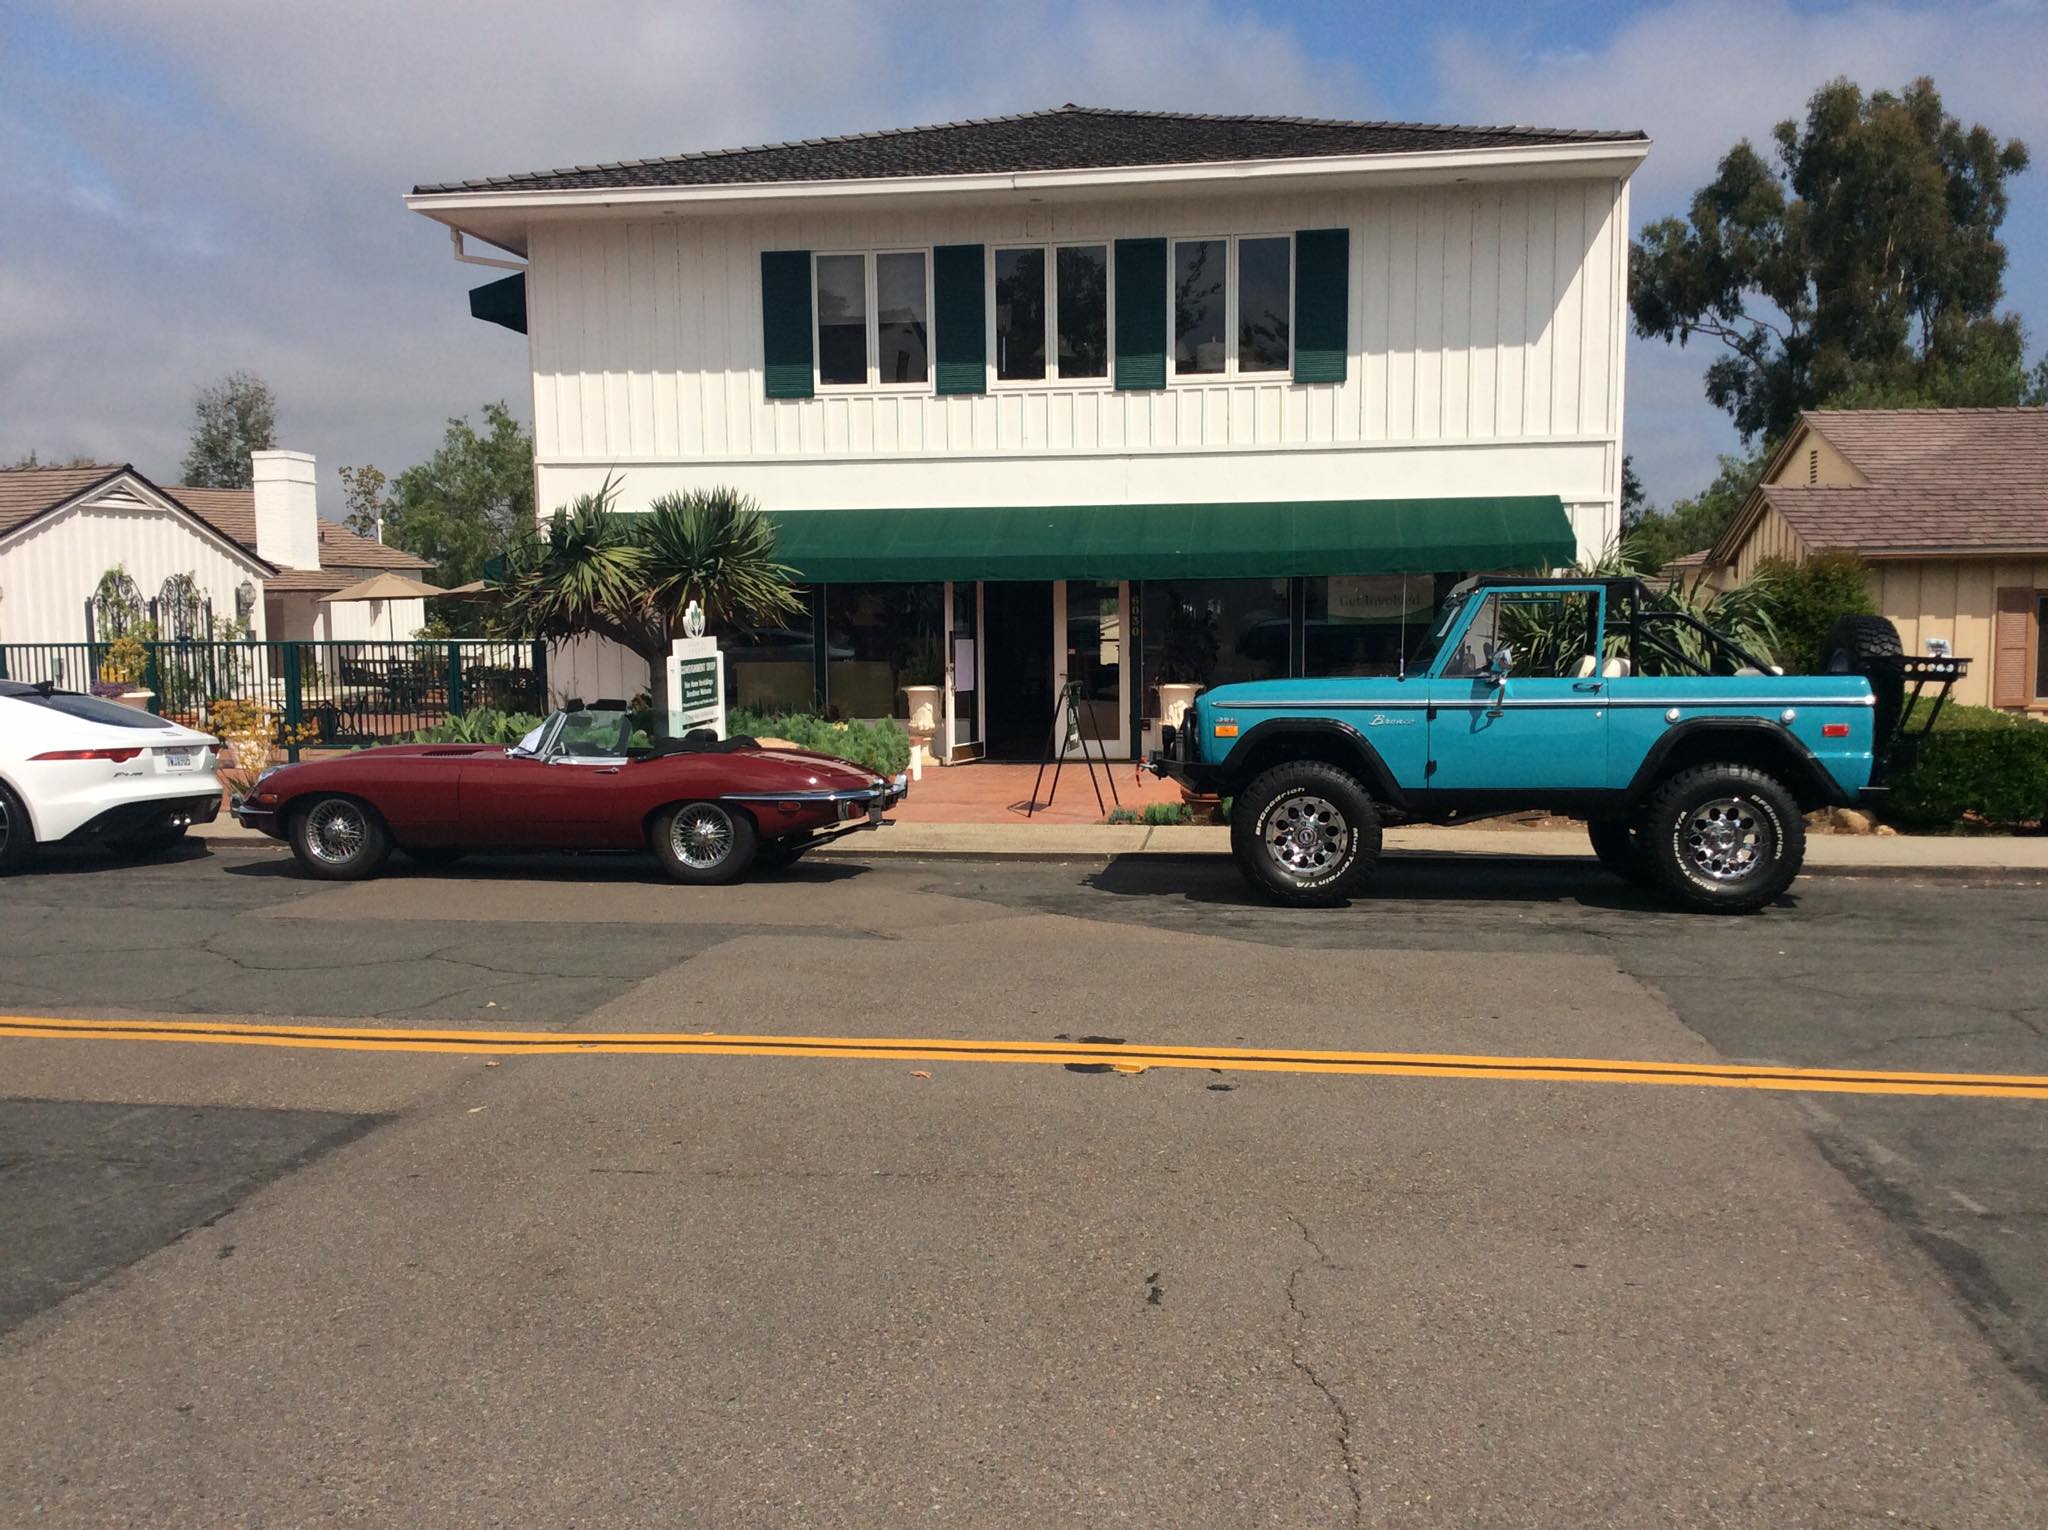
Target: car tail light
[[1834, 730], [117, 755]]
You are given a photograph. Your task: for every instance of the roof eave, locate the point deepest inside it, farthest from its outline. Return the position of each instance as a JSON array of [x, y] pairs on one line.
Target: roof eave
[[1582, 159]]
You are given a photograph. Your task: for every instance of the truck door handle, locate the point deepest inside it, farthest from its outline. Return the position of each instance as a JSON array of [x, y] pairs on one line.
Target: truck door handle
[[1586, 685]]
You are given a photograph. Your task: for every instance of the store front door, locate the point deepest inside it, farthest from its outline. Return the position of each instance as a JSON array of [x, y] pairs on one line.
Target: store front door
[[1017, 631], [1093, 619]]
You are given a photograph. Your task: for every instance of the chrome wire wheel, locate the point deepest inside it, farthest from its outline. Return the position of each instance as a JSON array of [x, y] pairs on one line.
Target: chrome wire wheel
[[335, 832], [1725, 839], [701, 836], [1306, 836]]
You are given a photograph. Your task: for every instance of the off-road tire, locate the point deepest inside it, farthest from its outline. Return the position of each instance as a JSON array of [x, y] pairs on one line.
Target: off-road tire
[[339, 839], [17, 835], [1337, 842], [1619, 844], [703, 844], [1700, 824], [141, 847], [1870, 646]]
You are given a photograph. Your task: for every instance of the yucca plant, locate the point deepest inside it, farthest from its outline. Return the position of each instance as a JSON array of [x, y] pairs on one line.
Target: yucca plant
[[631, 577]]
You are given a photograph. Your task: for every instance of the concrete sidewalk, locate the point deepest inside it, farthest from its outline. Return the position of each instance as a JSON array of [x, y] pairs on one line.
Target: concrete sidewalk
[[1841, 853]]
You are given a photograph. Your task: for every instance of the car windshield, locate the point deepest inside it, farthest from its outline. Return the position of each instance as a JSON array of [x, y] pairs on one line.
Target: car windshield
[[531, 743], [1424, 656]]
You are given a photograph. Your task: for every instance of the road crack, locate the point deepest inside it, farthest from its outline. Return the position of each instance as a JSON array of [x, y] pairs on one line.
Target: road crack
[[1296, 1347]]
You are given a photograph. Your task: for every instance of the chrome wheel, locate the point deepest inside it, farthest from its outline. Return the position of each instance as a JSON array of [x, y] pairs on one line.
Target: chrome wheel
[[1725, 839], [335, 832], [701, 836], [1306, 836]]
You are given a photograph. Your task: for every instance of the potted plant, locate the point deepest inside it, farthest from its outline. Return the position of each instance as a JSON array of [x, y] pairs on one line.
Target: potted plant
[[1187, 657], [924, 669]]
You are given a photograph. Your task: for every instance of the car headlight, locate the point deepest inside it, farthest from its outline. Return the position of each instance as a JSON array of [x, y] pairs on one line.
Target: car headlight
[[257, 785]]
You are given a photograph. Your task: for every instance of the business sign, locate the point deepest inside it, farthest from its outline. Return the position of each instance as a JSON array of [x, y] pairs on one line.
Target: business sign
[[696, 687]]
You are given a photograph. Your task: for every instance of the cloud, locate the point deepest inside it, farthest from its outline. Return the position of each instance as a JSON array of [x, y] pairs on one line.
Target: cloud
[[193, 188]]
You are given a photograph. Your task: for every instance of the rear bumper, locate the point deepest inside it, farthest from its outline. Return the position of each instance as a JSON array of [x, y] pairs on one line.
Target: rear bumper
[[1198, 776], [158, 816], [262, 819]]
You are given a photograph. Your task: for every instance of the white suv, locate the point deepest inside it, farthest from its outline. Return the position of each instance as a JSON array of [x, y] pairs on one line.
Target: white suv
[[90, 771]]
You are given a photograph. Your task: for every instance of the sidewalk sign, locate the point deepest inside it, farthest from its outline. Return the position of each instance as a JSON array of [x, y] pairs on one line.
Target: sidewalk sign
[[696, 680]]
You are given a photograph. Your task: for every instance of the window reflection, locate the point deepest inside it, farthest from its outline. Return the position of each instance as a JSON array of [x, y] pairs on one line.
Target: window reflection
[[1020, 314], [1198, 274], [842, 319], [900, 317]]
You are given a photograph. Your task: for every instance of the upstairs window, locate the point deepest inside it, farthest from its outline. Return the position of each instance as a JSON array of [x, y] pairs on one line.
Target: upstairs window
[[1232, 305], [874, 326], [1051, 312]]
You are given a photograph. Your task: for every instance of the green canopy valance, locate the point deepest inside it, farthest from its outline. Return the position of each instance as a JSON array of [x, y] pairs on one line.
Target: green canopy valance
[[1271, 540]]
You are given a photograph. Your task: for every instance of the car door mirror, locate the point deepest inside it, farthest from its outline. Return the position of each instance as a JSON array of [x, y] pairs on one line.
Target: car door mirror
[[1501, 663]]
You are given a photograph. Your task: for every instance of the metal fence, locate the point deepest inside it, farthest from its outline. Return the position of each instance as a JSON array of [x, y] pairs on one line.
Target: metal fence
[[319, 694]]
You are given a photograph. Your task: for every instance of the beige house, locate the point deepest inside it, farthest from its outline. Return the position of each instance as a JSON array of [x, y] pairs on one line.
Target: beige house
[[1949, 507]]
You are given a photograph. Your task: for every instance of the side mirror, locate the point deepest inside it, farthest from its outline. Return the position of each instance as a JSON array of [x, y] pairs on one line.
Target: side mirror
[[1500, 663]]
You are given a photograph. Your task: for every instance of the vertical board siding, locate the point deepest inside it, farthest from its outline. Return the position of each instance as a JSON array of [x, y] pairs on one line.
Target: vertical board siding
[[1473, 312]]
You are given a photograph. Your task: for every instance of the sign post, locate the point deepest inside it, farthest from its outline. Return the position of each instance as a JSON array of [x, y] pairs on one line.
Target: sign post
[[696, 680]]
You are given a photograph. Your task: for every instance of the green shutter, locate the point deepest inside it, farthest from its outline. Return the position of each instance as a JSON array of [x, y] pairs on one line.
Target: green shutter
[[960, 318], [786, 323], [1141, 313], [1322, 304]]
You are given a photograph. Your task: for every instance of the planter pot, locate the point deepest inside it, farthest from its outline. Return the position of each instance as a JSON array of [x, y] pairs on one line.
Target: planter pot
[[1205, 806], [925, 703], [1174, 700], [139, 699]]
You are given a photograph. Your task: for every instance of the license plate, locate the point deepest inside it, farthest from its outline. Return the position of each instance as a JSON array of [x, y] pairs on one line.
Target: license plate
[[179, 759]]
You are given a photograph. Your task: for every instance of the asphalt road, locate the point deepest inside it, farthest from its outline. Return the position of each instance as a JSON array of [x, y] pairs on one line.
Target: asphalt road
[[254, 1285]]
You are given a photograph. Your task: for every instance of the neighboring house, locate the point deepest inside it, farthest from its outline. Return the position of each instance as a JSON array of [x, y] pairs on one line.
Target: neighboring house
[[1949, 507], [260, 554], [1107, 397]]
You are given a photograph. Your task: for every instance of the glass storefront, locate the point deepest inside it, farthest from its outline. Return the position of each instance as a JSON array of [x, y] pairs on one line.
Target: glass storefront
[[880, 638], [1212, 631], [772, 669], [1367, 624]]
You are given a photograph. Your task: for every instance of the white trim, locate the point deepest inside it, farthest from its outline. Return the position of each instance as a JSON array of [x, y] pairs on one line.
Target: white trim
[[1233, 275], [871, 296], [1590, 159], [1013, 454], [1050, 249]]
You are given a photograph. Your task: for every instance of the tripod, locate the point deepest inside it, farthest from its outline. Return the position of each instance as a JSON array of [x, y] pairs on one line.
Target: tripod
[[1066, 723]]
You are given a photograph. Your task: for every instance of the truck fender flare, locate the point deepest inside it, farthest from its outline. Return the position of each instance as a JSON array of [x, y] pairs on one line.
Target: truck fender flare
[[1349, 741], [1807, 770]]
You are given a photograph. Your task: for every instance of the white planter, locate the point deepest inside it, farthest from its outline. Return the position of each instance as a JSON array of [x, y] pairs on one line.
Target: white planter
[[138, 699], [926, 702], [1174, 701]]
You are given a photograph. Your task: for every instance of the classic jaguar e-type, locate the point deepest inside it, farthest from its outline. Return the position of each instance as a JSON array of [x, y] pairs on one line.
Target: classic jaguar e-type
[[708, 808]]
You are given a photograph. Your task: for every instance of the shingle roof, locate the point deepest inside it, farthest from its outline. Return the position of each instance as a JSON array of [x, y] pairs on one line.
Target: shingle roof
[[323, 580], [1063, 138], [26, 493], [1939, 479]]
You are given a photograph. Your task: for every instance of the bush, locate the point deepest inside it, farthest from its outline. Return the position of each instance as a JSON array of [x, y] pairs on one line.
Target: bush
[[1166, 815], [1993, 773], [882, 747], [482, 725], [1122, 815], [1956, 719], [1807, 598]]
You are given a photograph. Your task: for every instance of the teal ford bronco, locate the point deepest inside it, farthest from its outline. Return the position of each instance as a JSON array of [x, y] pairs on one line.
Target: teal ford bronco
[[1691, 759]]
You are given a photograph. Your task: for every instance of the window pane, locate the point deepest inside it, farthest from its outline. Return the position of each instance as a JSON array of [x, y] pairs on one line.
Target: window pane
[[1263, 305], [1020, 314], [2041, 652], [878, 639], [1361, 624], [1083, 279], [1212, 632], [1198, 266], [770, 669], [842, 319], [900, 317], [1095, 654], [1551, 635]]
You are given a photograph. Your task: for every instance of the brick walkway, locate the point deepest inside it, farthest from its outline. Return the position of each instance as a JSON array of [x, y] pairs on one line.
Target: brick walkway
[[985, 793]]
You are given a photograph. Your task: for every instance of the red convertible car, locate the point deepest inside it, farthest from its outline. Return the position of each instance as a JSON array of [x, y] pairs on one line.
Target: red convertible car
[[708, 809]]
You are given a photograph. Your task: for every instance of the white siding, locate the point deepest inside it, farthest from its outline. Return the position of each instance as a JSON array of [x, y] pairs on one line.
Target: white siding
[[647, 334], [49, 569]]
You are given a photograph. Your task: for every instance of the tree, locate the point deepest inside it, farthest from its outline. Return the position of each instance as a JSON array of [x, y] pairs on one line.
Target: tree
[[362, 497], [1691, 524], [234, 417], [1866, 263], [29, 459], [465, 505], [1635, 505], [1809, 598], [631, 577]]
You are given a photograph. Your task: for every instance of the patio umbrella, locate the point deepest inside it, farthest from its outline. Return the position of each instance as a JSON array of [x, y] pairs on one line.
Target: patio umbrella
[[386, 586]]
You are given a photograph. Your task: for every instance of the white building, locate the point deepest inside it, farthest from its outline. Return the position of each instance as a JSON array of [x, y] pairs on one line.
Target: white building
[[260, 554], [1110, 397]]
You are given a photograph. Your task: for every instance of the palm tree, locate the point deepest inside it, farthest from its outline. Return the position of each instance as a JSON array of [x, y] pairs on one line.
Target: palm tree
[[631, 577]]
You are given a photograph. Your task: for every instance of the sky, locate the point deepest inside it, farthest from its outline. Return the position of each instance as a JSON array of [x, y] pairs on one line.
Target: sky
[[189, 187]]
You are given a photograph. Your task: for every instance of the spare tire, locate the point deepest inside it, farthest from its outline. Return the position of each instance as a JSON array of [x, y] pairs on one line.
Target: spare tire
[[1870, 646]]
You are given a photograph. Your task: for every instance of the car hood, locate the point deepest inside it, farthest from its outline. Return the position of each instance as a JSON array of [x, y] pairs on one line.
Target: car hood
[[828, 768]]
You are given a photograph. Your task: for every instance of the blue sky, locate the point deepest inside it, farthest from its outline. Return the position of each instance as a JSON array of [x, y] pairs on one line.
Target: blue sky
[[192, 186]]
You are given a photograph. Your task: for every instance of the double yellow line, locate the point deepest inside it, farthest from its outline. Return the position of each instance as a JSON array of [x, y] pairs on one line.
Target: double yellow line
[[1121, 1057]]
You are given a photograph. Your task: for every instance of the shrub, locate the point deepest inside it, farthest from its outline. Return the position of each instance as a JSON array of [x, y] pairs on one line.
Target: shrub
[[481, 725], [1992, 773], [1957, 719], [882, 747], [1166, 814], [1806, 599], [1122, 815]]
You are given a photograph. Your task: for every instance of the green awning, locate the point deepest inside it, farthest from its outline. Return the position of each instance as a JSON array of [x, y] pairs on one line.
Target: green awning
[[1219, 541], [501, 302]]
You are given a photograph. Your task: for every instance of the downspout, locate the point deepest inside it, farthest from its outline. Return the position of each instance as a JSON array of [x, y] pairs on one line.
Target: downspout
[[455, 239]]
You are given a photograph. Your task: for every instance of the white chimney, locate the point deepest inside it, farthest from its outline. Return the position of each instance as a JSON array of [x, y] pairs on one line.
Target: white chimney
[[287, 509]]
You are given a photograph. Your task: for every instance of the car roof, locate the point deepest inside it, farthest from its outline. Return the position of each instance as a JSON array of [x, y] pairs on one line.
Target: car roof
[[23, 688]]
